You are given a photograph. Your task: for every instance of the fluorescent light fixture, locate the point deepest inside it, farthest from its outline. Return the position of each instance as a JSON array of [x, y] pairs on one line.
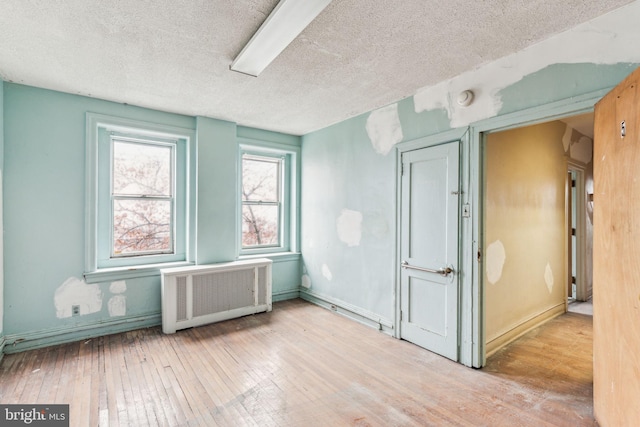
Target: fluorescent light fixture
[[284, 24]]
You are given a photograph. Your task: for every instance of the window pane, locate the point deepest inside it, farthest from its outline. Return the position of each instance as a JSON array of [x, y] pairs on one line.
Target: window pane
[[141, 169], [141, 226], [260, 179], [260, 225]]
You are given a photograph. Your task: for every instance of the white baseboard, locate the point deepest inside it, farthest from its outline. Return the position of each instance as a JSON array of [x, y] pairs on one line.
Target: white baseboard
[[519, 330], [349, 310]]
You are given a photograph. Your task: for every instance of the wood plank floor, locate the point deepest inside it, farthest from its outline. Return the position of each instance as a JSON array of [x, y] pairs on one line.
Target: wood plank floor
[[302, 365]]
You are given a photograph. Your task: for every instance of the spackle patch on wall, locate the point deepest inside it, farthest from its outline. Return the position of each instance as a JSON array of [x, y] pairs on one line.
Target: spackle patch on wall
[[577, 145], [548, 277], [604, 40], [306, 281], [326, 272], [117, 305], [384, 128], [349, 227], [582, 150], [118, 287], [76, 292], [495, 259], [566, 138]]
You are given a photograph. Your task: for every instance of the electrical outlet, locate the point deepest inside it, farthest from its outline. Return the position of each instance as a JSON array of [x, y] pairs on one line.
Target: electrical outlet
[[75, 310]]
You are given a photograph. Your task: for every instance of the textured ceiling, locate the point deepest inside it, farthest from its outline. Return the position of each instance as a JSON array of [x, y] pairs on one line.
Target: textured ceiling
[[358, 55]]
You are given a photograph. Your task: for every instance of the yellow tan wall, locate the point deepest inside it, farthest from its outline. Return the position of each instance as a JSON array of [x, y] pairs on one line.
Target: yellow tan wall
[[524, 255]]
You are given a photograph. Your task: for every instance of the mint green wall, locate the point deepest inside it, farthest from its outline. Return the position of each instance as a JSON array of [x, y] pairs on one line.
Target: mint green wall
[[44, 210], [217, 163], [342, 170]]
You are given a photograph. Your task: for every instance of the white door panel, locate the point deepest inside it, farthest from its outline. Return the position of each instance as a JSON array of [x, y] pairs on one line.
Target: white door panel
[[429, 248]]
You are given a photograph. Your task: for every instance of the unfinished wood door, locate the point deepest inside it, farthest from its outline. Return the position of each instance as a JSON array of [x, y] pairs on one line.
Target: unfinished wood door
[[616, 256], [429, 248]]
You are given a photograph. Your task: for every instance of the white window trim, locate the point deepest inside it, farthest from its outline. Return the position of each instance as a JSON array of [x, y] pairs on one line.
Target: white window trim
[[152, 130], [290, 196]]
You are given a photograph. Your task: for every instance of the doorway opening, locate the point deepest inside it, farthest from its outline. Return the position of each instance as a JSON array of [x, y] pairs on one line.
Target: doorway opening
[[537, 228]]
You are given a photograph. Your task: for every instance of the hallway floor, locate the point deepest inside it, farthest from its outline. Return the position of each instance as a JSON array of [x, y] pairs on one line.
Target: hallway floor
[[582, 307]]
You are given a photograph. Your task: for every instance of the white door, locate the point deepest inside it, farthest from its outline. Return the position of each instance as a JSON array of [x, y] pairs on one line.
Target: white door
[[429, 248]]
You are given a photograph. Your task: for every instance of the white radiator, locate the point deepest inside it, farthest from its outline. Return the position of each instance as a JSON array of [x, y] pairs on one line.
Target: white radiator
[[197, 295]]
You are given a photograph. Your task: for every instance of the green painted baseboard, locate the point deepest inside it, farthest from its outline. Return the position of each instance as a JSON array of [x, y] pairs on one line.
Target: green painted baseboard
[[285, 295], [15, 343], [356, 313]]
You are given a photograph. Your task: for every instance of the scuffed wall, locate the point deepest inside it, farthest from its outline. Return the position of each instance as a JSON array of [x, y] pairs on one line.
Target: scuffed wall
[[44, 216], [525, 268], [348, 211], [603, 40], [344, 169]]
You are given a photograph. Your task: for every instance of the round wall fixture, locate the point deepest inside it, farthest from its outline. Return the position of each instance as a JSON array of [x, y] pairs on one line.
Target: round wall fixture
[[465, 98]]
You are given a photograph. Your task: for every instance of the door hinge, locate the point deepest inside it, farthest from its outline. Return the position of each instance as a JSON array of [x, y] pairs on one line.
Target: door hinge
[[402, 168], [401, 315]]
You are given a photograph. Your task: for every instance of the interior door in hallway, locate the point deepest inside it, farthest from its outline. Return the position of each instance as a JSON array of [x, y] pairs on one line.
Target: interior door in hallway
[[429, 248]]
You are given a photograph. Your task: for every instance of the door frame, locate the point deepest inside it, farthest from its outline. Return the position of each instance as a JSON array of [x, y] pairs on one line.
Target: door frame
[[465, 247], [581, 228], [478, 131]]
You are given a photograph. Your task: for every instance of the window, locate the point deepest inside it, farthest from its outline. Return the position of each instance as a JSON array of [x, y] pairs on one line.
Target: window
[[266, 187], [261, 201], [137, 181], [142, 197]]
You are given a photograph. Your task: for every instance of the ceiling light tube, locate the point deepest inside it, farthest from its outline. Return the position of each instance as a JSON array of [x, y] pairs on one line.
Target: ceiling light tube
[[281, 27]]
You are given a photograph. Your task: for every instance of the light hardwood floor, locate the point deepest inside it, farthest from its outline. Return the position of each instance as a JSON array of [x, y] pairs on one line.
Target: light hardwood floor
[[302, 365]]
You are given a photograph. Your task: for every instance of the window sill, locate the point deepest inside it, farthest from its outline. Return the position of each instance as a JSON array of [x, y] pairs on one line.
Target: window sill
[[131, 272], [274, 256]]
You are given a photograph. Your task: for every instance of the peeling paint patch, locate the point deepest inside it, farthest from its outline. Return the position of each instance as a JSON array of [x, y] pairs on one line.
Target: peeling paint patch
[[118, 287], [548, 277], [384, 128], [326, 272], [349, 227], [306, 281], [495, 259], [566, 138], [117, 305], [582, 150], [76, 292], [603, 40]]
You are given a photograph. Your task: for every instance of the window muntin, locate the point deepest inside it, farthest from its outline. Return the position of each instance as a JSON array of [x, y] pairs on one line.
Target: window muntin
[[262, 185], [142, 197]]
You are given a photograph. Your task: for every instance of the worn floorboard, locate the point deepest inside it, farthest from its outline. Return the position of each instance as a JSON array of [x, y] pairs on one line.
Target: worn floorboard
[[302, 365]]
